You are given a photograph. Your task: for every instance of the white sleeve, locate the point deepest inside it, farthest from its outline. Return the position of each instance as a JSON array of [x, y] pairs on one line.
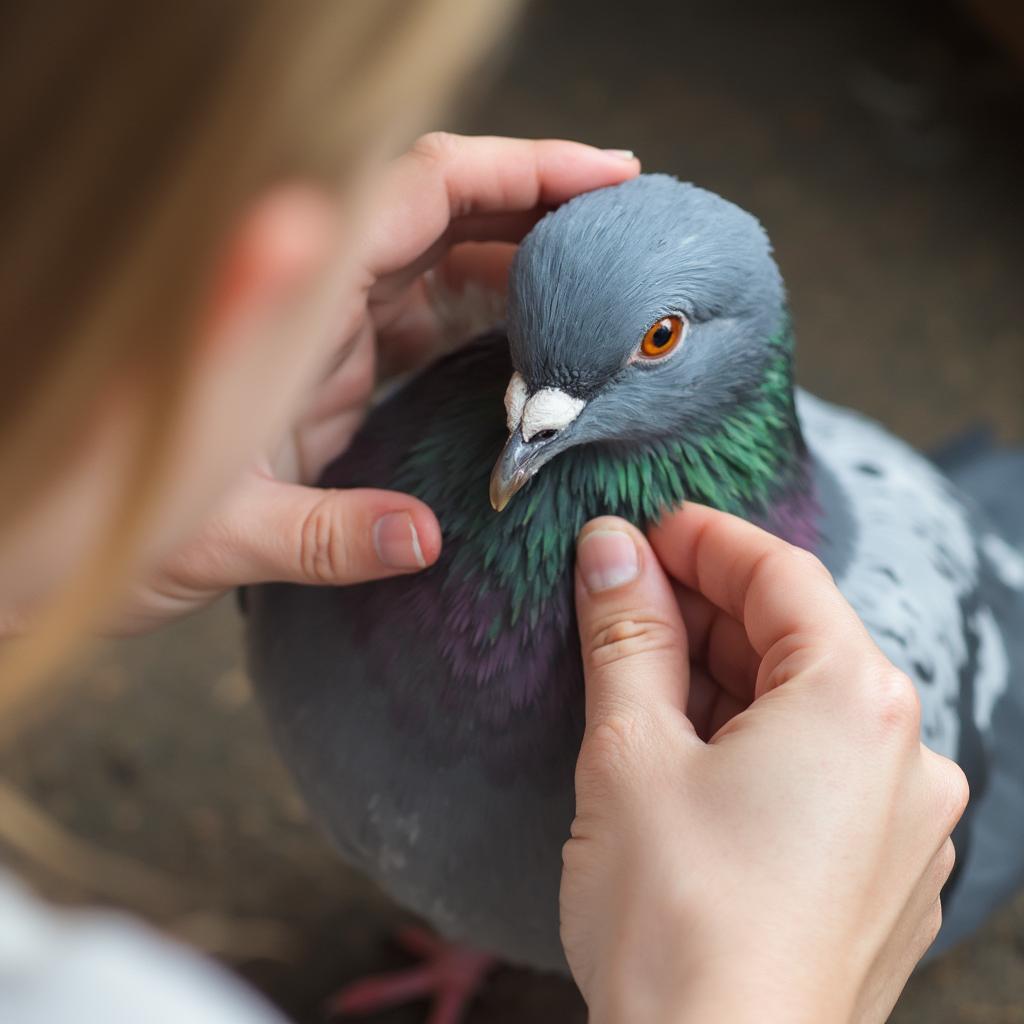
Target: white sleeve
[[94, 967]]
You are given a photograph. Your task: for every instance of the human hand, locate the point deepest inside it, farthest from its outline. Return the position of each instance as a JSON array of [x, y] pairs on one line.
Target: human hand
[[445, 217], [759, 833]]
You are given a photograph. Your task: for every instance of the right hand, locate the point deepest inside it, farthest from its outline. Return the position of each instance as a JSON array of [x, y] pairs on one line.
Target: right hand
[[759, 833]]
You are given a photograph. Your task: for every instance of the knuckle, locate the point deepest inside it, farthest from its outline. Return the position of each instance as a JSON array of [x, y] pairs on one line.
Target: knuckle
[[933, 922], [578, 851], [436, 147], [611, 738], [897, 707], [571, 853], [956, 792], [608, 754], [616, 639], [945, 861], [810, 563], [322, 554], [785, 660]]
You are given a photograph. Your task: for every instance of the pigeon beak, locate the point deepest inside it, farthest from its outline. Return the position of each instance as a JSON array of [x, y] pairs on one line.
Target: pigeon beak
[[540, 424], [518, 462]]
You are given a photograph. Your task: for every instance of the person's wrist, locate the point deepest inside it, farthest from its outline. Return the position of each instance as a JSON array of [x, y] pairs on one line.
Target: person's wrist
[[735, 987], [726, 999]]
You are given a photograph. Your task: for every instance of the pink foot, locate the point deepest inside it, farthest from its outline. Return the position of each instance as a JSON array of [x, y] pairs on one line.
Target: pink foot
[[450, 976]]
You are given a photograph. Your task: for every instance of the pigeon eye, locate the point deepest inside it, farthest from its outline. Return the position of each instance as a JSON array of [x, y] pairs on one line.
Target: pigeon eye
[[661, 337]]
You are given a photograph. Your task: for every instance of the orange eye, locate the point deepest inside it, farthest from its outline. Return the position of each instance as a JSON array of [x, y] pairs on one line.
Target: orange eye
[[661, 337]]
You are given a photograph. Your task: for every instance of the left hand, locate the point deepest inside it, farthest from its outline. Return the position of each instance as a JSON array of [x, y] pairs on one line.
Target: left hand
[[453, 206]]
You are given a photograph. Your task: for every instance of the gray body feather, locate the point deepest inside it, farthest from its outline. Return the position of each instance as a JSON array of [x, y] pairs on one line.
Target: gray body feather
[[462, 820], [480, 858]]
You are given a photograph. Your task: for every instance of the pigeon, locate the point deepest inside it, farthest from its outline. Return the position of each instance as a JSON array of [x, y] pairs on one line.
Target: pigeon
[[645, 359]]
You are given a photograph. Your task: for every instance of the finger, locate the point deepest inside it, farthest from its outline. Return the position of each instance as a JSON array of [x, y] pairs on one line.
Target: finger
[[506, 228], [725, 709], [949, 788], [482, 264], [318, 443], [492, 229], [942, 865], [298, 534], [632, 636], [720, 644], [698, 614], [463, 296], [348, 380], [775, 589], [447, 177], [701, 700], [334, 413]]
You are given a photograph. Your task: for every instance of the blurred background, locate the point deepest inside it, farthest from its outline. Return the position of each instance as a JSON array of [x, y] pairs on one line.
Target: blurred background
[[882, 145]]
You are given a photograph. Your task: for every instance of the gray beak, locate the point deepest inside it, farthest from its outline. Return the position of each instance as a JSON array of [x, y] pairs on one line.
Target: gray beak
[[518, 462]]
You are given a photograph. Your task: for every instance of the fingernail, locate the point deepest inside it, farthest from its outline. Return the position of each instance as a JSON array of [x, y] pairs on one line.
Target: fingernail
[[397, 543], [606, 559], [622, 154]]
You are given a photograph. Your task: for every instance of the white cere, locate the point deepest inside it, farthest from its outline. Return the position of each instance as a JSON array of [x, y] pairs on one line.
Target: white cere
[[549, 409], [515, 400]]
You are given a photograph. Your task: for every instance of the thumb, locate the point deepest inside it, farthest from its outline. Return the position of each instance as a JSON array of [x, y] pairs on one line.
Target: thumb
[[301, 534], [632, 635]]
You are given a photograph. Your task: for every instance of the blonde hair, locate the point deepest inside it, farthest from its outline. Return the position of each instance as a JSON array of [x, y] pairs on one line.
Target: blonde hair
[[134, 135]]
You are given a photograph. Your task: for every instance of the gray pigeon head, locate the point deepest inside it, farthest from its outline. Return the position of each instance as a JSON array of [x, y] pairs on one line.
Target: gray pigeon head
[[590, 285]]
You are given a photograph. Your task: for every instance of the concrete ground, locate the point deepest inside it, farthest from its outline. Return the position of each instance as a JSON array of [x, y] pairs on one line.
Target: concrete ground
[[880, 143]]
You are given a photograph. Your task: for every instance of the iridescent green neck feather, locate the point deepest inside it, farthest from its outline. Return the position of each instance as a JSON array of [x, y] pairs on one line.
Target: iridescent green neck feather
[[751, 462]]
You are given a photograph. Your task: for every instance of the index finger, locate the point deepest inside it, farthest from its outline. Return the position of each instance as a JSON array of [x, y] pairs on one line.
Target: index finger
[[774, 589], [445, 177]]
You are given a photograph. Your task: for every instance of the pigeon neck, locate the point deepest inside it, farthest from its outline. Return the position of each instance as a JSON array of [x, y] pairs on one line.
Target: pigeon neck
[[506, 575], [751, 462]]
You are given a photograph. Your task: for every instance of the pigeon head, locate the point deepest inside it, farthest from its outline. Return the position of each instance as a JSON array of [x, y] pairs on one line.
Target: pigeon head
[[639, 313]]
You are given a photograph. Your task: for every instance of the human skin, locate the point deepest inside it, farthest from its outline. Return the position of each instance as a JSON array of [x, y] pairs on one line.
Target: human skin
[[307, 304], [454, 206], [759, 833], [663, 905]]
